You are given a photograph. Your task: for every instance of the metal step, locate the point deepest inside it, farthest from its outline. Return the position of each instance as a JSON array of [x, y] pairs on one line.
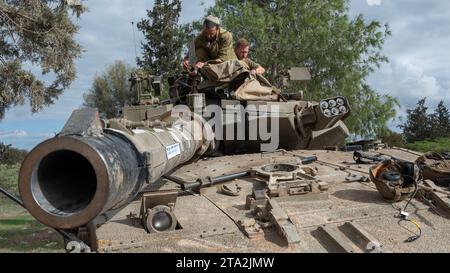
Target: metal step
[[347, 238]]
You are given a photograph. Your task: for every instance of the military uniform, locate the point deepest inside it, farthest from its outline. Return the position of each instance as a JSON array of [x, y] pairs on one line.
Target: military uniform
[[251, 65], [221, 49]]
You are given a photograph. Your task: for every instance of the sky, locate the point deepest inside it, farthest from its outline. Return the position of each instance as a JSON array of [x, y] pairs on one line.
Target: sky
[[418, 52]]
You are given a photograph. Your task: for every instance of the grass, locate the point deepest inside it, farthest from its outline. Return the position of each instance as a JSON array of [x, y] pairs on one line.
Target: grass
[[19, 231], [438, 145], [8, 178], [22, 233], [8, 181]]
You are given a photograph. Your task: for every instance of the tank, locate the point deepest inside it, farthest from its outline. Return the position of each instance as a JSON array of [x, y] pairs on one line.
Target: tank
[[211, 170]]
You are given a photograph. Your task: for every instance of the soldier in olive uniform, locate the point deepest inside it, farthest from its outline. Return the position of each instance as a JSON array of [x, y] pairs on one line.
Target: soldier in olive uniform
[[242, 50], [213, 44]]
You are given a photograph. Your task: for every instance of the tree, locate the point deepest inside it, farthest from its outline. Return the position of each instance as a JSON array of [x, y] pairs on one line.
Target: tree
[[110, 92], [340, 52], [164, 39], [418, 124], [38, 33], [393, 139], [440, 121], [11, 156]]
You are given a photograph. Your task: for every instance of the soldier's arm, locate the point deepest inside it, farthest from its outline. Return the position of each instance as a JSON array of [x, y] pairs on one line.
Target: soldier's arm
[[202, 55], [256, 66], [201, 52]]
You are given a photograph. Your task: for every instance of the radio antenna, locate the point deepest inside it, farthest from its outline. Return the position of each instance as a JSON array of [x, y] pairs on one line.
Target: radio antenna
[[134, 40]]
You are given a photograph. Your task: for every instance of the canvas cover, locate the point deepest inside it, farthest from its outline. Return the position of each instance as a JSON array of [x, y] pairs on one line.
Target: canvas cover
[[250, 87]]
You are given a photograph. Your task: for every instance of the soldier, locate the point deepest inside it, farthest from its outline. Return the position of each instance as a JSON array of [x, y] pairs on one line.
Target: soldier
[[242, 50], [213, 44]]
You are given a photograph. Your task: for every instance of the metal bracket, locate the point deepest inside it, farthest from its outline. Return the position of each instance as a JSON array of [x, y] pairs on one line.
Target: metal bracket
[[288, 180]]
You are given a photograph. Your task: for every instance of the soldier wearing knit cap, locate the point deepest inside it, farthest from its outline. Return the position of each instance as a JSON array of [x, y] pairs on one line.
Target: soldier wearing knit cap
[[213, 44]]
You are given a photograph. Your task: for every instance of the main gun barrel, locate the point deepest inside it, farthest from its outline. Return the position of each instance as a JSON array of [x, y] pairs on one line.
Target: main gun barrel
[[68, 181]]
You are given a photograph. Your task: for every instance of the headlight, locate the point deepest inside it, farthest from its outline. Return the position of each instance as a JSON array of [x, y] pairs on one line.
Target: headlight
[[160, 219], [327, 113], [343, 109], [340, 102]]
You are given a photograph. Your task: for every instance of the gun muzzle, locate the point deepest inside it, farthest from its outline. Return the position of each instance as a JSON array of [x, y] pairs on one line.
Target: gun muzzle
[[67, 181]]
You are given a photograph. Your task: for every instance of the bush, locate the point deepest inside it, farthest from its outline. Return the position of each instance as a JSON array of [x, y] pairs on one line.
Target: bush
[[9, 178], [393, 139], [439, 145], [10, 155]]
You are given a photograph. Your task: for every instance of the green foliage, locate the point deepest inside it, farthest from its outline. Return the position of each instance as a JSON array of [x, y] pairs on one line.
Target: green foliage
[[9, 177], [340, 52], [23, 233], [417, 126], [420, 125], [10, 155], [9, 181], [110, 92], [164, 39], [41, 33], [393, 139], [440, 121], [439, 145]]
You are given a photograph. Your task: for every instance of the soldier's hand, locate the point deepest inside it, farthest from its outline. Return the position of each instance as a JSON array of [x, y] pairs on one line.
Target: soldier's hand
[[200, 65], [260, 70], [253, 72]]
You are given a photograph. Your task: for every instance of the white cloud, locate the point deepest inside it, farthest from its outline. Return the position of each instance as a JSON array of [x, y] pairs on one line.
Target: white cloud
[[406, 80], [415, 81], [23, 139], [11, 134], [373, 2]]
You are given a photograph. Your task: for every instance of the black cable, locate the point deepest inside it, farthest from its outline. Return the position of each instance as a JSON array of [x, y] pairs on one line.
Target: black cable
[[12, 197], [416, 189]]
